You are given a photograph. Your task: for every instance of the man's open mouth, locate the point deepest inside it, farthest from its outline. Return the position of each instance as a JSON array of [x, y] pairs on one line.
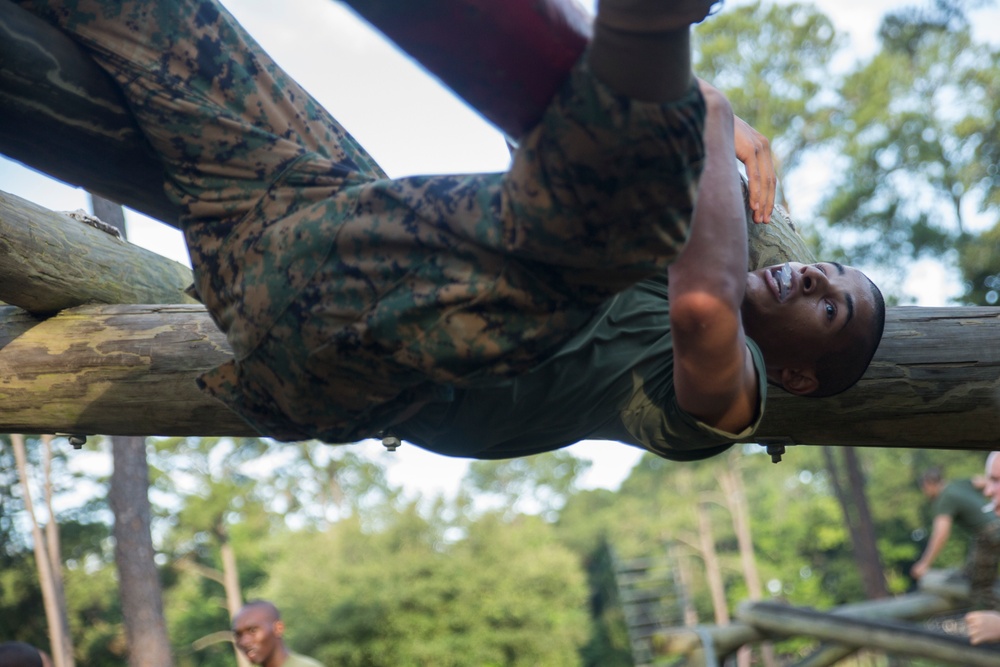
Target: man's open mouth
[[783, 279]]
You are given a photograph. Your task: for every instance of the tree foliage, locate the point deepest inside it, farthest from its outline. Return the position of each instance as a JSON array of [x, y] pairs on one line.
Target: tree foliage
[[918, 139], [772, 62]]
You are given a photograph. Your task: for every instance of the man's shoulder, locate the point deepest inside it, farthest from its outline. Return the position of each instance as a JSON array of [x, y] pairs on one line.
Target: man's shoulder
[[958, 494], [961, 488], [299, 660]]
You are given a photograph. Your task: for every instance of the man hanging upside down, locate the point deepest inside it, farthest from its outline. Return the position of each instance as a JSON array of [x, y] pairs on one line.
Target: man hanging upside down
[[597, 289]]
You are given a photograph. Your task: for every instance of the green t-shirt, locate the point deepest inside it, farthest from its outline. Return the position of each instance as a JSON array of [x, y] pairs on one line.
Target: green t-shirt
[[613, 380], [296, 660], [964, 503]]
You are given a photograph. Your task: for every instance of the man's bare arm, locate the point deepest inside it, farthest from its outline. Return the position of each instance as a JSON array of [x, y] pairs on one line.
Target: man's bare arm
[[714, 376], [940, 531]]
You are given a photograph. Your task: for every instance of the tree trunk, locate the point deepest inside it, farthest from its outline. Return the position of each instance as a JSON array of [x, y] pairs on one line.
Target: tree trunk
[[713, 573], [869, 560], [52, 594], [231, 582], [228, 578], [690, 613], [139, 580], [854, 507], [53, 549], [731, 483]]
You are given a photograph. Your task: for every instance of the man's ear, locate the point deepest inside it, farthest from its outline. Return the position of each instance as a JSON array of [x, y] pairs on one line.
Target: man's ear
[[799, 381], [279, 628]]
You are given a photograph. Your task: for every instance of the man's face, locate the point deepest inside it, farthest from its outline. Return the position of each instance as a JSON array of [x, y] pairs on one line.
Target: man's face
[[797, 312], [992, 488], [257, 633]]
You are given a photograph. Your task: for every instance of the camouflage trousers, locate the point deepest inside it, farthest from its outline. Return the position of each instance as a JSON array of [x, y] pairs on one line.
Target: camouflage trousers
[[981, 567], [350, 299]]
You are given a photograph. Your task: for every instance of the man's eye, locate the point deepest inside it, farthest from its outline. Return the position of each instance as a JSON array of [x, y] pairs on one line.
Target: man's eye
[[831, 311]]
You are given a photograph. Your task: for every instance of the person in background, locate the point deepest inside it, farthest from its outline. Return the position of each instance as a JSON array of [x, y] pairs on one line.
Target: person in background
[[22, 654], [984, 626], [957, 502], [259, 634]]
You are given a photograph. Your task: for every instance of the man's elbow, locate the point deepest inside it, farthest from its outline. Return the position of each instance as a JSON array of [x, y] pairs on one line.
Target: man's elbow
[[697, 314]]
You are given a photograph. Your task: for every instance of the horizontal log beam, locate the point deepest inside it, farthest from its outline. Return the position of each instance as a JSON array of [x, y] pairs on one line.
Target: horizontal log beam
[[112, 370], [910, 607], [934, 381], [61, 114], [50, 261], [130, 370]]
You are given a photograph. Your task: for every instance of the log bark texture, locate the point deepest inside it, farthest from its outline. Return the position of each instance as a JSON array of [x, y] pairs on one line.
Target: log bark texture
[[50, 261], [61, 114], [112, 370], [934, 383]]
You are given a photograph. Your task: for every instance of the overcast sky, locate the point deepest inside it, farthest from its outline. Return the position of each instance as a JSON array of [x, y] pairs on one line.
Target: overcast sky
[[410, 125]]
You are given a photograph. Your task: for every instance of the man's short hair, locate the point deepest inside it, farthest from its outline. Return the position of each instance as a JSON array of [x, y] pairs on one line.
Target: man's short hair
[[839, 371], [933, 475], [19, 654], [265, 604]]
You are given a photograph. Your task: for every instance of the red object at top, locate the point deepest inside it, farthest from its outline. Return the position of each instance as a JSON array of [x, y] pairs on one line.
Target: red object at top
[[506, 58]]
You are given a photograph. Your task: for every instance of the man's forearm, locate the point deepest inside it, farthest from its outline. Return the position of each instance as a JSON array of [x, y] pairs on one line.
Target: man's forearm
[[715, 259], [939, 537]]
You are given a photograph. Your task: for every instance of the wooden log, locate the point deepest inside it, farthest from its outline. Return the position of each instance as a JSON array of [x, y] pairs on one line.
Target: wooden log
[[893, 637], [915, 606], [935, 382], [113, 370], [952, 584], [49, 261], [726, 639], [30, 407], [61, 114]]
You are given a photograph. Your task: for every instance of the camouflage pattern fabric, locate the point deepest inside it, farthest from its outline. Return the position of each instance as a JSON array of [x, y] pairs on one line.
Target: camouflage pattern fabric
[[350, 299], [981, 567]]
